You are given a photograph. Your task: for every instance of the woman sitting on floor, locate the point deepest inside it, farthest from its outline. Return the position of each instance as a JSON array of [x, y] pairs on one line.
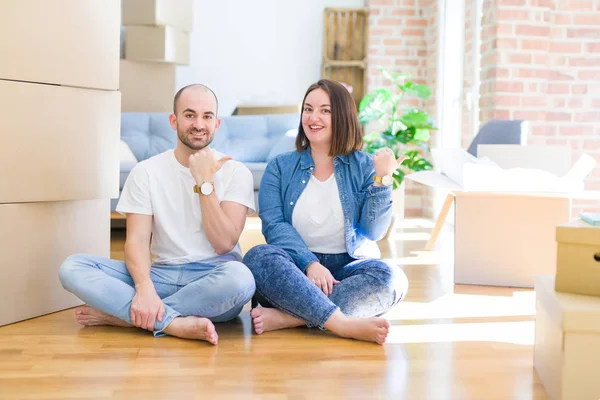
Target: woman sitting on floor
[[322, 208]]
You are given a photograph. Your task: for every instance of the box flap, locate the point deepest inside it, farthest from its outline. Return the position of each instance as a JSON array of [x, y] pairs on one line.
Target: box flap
[[434, 179], [578, 232], [459, 171], [553, 159], [572, 312], [451, 162]]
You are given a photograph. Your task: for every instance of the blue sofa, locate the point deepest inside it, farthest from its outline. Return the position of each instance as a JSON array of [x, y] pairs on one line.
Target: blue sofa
[[251, 139]]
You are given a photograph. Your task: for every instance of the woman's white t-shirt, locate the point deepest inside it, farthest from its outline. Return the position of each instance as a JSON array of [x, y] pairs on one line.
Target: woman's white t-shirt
[[318, 217], [162, 187]]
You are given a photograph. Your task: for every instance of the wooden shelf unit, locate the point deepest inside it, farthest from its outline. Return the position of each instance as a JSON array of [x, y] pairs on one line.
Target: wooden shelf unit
[[345, 48]]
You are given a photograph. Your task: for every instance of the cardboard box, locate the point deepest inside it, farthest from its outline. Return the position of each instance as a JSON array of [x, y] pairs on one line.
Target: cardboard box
[[35, 239], [176, 13], [147, 87], [62, 42], [506, 236], [58, 143], [157, 44], [578, 258], [567, 342]]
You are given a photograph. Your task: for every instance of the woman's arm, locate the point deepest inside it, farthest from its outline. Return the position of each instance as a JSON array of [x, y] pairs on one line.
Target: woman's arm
[[276, 230], [376, 209]]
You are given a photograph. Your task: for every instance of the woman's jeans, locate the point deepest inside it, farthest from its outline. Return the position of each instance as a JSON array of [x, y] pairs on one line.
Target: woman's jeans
[[369, 287], [217, 290]]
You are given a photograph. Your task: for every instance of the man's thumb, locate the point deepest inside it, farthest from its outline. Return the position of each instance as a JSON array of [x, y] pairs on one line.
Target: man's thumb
[[223, 160]]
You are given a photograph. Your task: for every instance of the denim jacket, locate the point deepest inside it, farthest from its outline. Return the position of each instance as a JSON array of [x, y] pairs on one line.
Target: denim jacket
[[367, 208]]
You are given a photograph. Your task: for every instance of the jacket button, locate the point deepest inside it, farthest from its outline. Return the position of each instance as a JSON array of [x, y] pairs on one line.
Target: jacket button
[[303, 181], [291, 203]]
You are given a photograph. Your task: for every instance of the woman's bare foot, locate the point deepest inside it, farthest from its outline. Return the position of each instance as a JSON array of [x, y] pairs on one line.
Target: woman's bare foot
[[271, 319], [89, 316], [193, 328], [367, 329]]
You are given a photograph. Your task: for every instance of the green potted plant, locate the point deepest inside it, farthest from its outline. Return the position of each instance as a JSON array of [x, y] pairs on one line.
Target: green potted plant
[[403, 129]]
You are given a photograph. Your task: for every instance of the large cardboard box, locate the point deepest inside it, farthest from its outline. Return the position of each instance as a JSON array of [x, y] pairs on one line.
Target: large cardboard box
[[567, 342], [58, 143], [35, 238], [505, 217], [578, 258], [157, 44], [62, 42], [176, 13], [147, 87]]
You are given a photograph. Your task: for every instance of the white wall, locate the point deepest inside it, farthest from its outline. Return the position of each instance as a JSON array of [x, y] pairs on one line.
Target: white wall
[[259, 52]]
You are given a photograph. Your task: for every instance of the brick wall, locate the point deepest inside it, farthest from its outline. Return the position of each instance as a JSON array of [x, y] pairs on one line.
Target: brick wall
[[541, 62], [403, 38]]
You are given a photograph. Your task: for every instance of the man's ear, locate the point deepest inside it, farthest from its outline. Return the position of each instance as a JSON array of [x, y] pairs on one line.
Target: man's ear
[[217, 124], [173, 121]]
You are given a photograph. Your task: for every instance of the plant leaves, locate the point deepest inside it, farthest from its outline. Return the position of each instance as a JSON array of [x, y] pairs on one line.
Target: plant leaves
[[394, 77], [421, 135], [374, 105], [415, 118], [416, 89]]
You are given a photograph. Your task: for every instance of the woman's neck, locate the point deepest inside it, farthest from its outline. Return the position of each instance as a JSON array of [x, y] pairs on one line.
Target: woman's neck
[[321, 156]]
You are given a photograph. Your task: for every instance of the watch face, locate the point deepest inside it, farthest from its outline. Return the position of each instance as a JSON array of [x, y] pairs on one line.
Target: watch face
[[206, 188], [386, 180]]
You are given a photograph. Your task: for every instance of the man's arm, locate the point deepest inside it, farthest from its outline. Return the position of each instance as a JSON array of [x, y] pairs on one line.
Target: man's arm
[[223, 224], [137, 248], [146, 306]]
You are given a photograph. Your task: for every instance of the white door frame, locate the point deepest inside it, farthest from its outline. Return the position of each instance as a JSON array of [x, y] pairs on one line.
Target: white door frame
[[449, 90]]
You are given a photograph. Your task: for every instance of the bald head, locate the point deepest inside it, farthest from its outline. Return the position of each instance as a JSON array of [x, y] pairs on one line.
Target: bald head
[[192, 89]]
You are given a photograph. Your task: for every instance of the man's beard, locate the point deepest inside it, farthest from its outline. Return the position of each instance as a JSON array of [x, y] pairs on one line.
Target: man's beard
[[196, 144]]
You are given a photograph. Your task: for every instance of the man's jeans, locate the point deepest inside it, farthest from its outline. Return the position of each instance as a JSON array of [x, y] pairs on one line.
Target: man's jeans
[[216, 290]]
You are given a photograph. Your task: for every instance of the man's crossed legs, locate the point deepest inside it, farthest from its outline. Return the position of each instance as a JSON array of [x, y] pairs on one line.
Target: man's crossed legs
[[194, 295]]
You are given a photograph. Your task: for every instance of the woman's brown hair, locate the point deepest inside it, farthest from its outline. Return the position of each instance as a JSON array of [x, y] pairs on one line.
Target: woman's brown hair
[[346, 131]]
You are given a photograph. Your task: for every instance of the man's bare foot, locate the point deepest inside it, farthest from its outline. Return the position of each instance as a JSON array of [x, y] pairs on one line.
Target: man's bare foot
[[271, 319], [89, 316], [193, 328]]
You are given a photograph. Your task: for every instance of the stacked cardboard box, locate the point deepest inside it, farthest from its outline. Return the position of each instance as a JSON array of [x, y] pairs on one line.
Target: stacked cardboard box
[[156, 41], [567, 334], [58, 145]]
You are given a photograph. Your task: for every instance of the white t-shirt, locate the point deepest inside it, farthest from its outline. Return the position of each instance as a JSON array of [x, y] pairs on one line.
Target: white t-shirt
[[318, 217], [162, 187]]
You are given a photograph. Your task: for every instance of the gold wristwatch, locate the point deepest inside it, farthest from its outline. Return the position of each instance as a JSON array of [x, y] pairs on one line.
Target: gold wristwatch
[[206, 188], [385, 180]]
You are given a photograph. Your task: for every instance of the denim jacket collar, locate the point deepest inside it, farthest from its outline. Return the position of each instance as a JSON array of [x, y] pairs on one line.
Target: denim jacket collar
[[306, 160]]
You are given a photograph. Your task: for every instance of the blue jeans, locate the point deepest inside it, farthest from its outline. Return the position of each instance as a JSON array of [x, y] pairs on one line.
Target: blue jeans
[[217, 290], [369, 287]]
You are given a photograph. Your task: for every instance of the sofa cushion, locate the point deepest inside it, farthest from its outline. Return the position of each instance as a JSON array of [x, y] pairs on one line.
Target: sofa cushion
[[245, 149], [124, 171], [286, 143], [258, 170], [147, 134], [250, 138]]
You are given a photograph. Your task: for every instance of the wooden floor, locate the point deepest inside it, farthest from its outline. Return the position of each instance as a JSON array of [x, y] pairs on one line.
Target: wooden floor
[[446, 342]]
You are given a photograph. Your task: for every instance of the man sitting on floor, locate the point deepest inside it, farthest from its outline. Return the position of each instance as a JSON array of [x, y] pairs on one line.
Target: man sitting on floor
[[188, 207]]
